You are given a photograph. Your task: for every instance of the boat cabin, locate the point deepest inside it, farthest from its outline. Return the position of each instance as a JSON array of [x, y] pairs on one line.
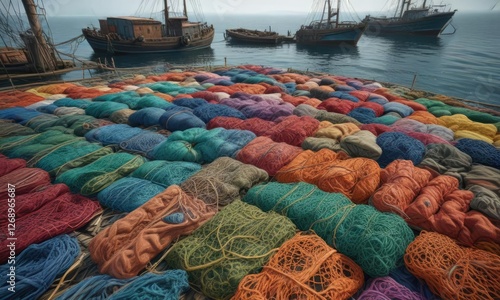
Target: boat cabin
[[415, 13], [130, 28]]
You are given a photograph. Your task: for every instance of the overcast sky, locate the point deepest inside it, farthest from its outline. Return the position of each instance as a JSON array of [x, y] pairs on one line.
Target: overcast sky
[[130, 7]]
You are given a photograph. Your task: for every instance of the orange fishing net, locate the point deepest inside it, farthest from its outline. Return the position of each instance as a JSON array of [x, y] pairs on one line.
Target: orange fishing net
[[423, 117], [304, 267], [249, 88], [124, 249], [452, 271], [357, 178], [57, 88], [18, 98], [297, 100], [221, 88]]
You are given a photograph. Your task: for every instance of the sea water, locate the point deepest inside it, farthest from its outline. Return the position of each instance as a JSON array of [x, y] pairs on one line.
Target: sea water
[[465, 64]]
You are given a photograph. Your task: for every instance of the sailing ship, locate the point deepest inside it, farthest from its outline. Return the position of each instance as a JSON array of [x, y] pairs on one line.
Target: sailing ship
[[145, 35], [329, 30], [417, 20], [242, 35]]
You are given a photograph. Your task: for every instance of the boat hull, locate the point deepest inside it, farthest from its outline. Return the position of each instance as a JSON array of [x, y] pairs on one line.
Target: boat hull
[[100, 43], [235, 36], [431, 25], [336, 36]]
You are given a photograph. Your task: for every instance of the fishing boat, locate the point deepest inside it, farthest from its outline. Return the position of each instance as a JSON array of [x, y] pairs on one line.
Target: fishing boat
[[131, 35], [421, 19], [242, 35], [329, 30]]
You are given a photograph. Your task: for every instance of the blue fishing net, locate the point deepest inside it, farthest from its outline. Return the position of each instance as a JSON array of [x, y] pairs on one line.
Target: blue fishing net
[[166, 173]]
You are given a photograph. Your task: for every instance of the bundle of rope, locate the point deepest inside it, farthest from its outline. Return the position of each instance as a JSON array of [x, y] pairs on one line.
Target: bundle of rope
[[253, 106], [321, 115], [146, 117], [223, 181], [26, 180], [356, 178], [268, 155], [397, 145], [460, 122], [438, 206], [177, 118], [143, 143], [202, 146], [481, 152], [126, 247], [376, 241], [68, 102], [38, 266], [166, 173], [70, 156], [237, 241], [8, 128], [112, 134], [453, 271], [98, 287], [293, 130], [320, 273], [42, 122], [446, 159], [128, 193], [96, 176], [255, 125], [121, 116], [386, 288], [67, 111], [209, 111], [361, 144], [19, 115], [62, 214], [8, 165]]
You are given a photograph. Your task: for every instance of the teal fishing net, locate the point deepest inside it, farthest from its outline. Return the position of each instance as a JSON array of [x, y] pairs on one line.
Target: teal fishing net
[[128, 193], [166, 173], [94, 177], [112, 134], [68, 102], [42, 122], [103, 109], [376, 241]]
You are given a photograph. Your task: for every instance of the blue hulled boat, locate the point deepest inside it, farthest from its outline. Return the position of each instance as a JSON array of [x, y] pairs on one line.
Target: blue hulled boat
[[419, 20], [329, 31]]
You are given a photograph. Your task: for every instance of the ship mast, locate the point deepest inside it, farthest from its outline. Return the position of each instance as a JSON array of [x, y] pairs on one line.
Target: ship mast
[[43, 55], [423, 5], [165, 7], [407, 3], [185, 8], [337, 15]]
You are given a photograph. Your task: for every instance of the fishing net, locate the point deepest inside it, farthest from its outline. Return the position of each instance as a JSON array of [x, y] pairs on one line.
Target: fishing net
[[143, 143], [480, 152], [130, 98], [62, 214], [268, 155], [128, 193], [304, 267], [146, 117], [376, 241], [19, 114], [293, 130], [112, 134], [210, 111], [202, 146], [316, 144], [177, 118], [121, 116], [169, 285], [336, 131], [255, 125], [356, 178], [461, 122], [452, 271], [338, 105], [83, 128], [397, 145], [25, 180], [486, 201], [237, 241], [446, 159], [361, 144], [96, 176], [96, 287], [190, 102], [399, 108], [258, 107], [8, 165], [166, 173], [68, 102], [321, 115], [386, 288], [223, 181], [104, 109], [74, 155], [424, 117], [150, 100], [38, 266], [126, 247], [64, 111], [47, 109], [12, 129], [363, 115]]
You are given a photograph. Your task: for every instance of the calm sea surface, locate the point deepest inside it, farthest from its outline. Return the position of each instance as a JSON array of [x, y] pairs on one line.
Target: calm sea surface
[[465, 64]]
